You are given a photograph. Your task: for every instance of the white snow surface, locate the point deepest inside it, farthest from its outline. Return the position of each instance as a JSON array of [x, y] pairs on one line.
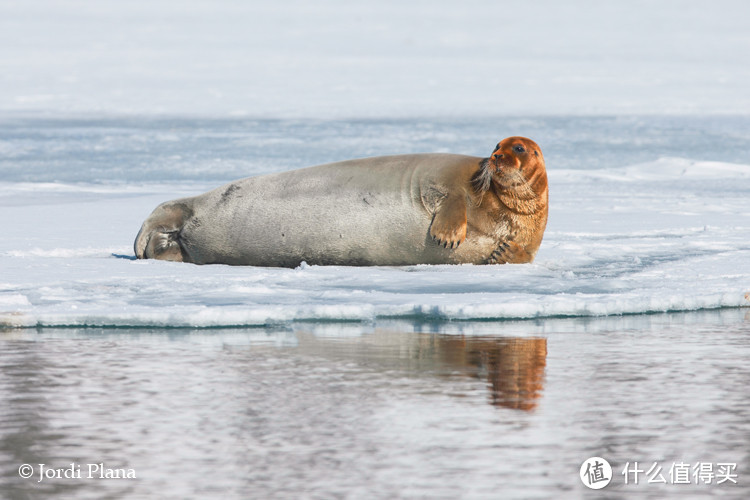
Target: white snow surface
[[670, 235]]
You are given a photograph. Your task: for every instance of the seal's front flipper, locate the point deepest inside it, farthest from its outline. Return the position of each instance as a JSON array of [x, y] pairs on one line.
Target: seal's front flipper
[[510, 252], [448, 226]]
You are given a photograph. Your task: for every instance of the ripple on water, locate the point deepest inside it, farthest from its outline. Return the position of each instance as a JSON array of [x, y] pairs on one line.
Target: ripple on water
[[381, 411]]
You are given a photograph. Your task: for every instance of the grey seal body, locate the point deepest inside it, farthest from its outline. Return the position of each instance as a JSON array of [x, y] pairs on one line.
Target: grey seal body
[[372, 211]]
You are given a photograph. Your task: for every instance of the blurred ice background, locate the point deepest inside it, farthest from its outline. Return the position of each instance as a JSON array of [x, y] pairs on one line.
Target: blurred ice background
[[340, 59]]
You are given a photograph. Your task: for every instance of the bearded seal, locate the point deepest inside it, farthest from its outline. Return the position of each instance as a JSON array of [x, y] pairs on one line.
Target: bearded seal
[[384, 211]]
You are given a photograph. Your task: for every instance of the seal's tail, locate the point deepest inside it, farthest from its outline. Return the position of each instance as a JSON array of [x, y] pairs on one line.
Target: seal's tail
[[159, 237]]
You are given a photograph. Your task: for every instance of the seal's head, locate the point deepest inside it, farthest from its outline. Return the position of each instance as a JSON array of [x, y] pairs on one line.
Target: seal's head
[[515, 170]]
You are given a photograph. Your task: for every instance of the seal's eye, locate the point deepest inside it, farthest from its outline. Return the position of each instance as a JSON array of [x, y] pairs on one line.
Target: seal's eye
[[496, 147], [519, 149]]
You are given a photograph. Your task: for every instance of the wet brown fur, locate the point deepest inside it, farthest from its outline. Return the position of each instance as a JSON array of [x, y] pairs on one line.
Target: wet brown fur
[[512, 184]]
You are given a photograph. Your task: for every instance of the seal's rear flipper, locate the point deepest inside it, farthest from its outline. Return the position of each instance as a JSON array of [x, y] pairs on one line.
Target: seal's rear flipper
[[159, 237]]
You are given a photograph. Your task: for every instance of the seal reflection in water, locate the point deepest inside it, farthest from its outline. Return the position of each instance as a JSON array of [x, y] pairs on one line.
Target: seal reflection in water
[[512, 368], [388, 211]]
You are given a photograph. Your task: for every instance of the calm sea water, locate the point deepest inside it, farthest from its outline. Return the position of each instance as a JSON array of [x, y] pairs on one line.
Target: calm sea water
[[386, 410]]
